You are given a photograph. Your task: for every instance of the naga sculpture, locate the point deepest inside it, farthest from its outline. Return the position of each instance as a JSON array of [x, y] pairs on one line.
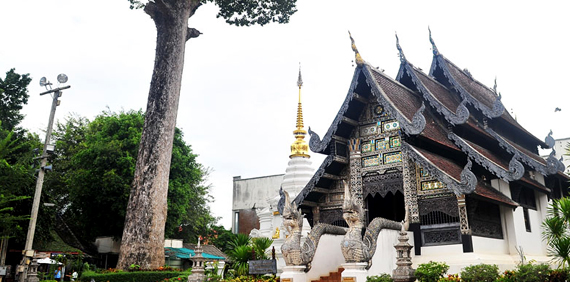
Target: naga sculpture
[[293, 252], [356, 247]]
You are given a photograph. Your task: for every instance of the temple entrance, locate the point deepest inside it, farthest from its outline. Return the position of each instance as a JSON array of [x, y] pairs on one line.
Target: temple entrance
[[390, 207], [384, 196]]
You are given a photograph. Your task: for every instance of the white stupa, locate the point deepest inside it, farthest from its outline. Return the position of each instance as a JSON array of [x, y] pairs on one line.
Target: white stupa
[[298, 173]]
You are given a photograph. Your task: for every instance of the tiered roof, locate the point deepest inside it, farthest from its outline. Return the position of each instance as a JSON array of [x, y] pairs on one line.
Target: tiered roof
[[452, 126]]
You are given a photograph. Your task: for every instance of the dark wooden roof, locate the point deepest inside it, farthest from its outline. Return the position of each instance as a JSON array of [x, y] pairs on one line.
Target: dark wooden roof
[[447, 119]]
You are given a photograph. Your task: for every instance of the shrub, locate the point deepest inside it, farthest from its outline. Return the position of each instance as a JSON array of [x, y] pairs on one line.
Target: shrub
[[558, 275], [451, 278], [139, 276], [529, 272], [431, 271], [379, 278], [507, 276], [481, 272]]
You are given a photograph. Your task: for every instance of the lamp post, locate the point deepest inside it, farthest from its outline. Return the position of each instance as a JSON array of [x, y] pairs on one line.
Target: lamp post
[[28, 252]]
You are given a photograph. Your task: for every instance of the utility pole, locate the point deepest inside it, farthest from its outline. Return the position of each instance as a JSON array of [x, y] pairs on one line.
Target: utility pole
[[28, 273]]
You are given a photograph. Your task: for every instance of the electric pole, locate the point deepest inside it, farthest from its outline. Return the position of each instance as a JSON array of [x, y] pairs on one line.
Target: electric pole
[[28, 273]]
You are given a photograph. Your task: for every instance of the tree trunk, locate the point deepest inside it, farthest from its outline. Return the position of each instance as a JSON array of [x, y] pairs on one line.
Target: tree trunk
[[143, 235]]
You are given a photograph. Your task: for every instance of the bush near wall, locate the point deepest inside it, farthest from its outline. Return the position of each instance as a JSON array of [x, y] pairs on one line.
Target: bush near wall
[[480, 273], [139, 276], [431, 271]]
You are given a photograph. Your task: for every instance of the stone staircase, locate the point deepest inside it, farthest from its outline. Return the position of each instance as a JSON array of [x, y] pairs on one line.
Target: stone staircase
[[332, 277]]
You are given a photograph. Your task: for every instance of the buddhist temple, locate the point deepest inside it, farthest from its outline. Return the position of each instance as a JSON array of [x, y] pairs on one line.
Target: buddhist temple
[[438, 151]]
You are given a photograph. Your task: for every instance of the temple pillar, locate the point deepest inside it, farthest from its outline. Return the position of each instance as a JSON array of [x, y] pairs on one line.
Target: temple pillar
[[293, 273], [355, 169], [354, 272], [410, 189], [466, 239]]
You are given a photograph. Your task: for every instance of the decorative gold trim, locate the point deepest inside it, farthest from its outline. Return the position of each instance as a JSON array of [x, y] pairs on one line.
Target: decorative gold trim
[[358, 59]]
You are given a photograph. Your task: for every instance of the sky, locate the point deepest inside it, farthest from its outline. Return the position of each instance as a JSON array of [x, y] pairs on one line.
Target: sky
[[239, 95]]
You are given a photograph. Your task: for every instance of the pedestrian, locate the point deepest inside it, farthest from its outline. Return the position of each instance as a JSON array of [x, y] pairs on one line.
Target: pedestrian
[[74, 275], [57, 274]]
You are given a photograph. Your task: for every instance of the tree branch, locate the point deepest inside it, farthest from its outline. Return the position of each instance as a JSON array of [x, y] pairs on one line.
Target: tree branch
[[192, 33]]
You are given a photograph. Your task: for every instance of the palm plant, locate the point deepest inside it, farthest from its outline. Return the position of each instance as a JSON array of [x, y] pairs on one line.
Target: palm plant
[[556, 231], [241, 250]]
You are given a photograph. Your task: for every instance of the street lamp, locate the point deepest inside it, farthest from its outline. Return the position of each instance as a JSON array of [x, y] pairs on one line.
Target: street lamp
[[28, 252]]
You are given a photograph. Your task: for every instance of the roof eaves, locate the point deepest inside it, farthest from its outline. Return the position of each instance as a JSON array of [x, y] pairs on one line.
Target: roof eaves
[[460, 115]]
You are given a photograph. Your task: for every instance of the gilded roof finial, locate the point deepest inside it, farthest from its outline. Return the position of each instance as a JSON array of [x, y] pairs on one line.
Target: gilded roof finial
[[433, 47], [402, 56], [358, 58], [299, 148]]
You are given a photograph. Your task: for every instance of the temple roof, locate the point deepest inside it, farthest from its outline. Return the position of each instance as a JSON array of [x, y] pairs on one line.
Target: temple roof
[[486, 191], [450, 124]]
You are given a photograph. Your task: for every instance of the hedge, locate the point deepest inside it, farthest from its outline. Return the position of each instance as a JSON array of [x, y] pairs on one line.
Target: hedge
[[138, 276]]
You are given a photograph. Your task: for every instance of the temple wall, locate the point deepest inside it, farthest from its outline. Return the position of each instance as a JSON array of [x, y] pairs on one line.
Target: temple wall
[[490, 245], [384, 260], [328, 257]]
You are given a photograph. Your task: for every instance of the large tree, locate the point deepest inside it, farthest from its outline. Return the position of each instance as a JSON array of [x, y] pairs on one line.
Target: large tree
[[13, 96], [143, 236], [94, 166]]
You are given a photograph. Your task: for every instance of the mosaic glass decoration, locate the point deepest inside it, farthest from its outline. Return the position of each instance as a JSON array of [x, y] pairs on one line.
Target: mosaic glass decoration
[[393, 158], [432, 185], [368, 130], [390, 125], [395, 142], [423, 172], [379, 110], [370, 161], [368, 146], [382, 144]]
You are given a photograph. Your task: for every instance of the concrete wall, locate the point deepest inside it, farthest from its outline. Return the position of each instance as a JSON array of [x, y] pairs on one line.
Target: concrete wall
[[252, 193], [255, 191]]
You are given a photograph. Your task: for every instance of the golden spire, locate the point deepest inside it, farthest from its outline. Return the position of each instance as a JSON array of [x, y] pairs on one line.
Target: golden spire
[[299, 148]]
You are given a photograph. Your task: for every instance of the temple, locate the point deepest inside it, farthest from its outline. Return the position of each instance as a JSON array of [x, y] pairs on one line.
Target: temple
[[439, 151]]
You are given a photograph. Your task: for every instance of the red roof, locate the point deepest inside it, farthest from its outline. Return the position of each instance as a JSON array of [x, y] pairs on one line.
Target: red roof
[[486, 191], [402, 98]]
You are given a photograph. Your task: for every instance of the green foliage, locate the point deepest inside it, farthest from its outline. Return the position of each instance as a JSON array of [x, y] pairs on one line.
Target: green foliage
[[260, 246], [379, 278], [220, 237], [558, 275], [243, 248], [251, 278], [95, 164], [481, 272], [450, 278], [251, 12], [17, 185], [507, 276], [13, 95], [529, 272], [10, 223], [247, 12], [139, 276], [431, 271], [556, 231]]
